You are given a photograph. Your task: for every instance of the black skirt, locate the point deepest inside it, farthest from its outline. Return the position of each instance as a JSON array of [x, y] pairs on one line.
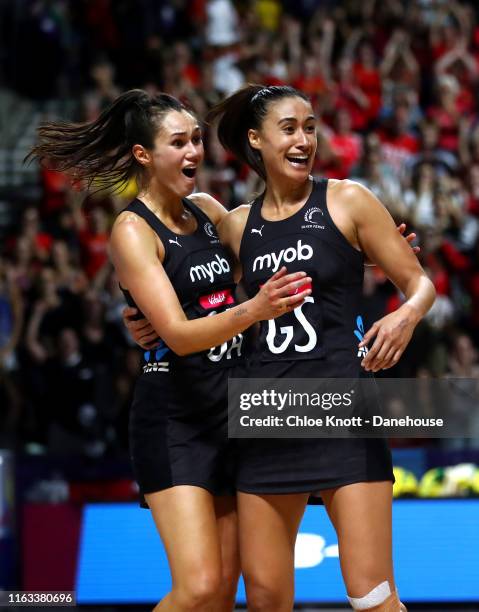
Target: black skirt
[[179, 433], [281, 466], [299, 465]]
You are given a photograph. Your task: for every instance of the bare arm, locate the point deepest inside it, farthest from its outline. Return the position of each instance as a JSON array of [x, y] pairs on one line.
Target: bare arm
[[327, 43], [34, 346], [230, 226], [389, 58], [137, 260], [458, 54], [378, 237], [210, 206], [74, 203], [230, 231]]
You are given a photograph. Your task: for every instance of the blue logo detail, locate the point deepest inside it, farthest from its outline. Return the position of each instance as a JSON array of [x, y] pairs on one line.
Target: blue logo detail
[[161, 351], [359, 333]]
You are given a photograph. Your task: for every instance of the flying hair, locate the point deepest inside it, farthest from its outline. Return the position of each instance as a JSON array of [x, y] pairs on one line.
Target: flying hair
[[100, 151]]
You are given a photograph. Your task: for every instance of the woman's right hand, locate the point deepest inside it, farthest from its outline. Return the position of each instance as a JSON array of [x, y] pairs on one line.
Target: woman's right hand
[[280, 294]]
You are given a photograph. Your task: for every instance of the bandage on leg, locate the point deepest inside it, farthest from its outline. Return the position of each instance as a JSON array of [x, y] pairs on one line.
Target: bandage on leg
[[380, 599]]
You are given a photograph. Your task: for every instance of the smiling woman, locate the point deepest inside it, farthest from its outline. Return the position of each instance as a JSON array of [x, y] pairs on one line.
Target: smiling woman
[[326, 228], [173, 269]]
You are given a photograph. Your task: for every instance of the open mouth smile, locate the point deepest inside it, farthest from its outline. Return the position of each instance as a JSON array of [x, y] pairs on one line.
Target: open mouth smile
[[298, 160], [189, 172]]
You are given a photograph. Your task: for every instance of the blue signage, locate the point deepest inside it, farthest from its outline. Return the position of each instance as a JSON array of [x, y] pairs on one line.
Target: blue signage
[[436, 545]]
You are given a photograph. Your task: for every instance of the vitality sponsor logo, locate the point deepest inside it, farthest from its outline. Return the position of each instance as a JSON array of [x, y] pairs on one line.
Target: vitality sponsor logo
[[153, 360], [301, 252], [302, 288], [218, 266], [312, 217], [359, 333], [217, 299]]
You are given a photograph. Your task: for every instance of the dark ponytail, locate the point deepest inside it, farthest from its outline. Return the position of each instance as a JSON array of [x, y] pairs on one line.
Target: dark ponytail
[[245, 110], [101, 149]]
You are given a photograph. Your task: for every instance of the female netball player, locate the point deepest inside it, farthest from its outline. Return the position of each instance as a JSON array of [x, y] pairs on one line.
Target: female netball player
[[327, 228], [169, 262]]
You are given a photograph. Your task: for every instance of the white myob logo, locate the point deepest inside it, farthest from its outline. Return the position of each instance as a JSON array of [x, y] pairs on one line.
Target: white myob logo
[[274, 260], [218, 266]]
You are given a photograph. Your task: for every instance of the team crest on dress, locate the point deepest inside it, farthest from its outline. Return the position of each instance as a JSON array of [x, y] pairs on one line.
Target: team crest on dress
[[210, 230], [313, 216], [308, 215]]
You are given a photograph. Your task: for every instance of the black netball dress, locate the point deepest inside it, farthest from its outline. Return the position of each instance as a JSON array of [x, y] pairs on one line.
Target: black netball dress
[[317, 340], [178, 420]]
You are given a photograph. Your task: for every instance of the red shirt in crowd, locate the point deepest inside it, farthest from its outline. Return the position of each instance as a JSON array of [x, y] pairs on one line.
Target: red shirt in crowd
[[94, 251], [369, 81], [347, 149]]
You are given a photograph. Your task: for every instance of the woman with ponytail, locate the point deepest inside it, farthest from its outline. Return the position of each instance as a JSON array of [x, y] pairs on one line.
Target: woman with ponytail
[[328, 228], [173, 270]]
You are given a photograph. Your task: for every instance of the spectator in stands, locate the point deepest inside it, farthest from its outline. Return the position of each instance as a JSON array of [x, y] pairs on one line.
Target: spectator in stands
[[69, 276], [431, 153], [447, 112], [39, 240], [104, 89], [463, 368], [76, 421], [93, 237], [404, 80], [341, 149], [11, 325]]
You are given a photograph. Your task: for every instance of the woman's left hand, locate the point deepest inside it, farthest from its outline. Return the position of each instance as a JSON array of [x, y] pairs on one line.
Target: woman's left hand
[[393, 333]]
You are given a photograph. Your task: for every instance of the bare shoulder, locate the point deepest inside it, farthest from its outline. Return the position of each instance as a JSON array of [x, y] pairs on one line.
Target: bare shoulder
[[347, 189], [129, 226], [210, 206], [130, 233], [236, 218], [231, 228], [357, 198]]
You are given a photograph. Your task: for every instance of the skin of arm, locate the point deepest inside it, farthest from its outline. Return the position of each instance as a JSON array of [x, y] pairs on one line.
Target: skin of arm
[[230, 226], [230, 232], [369, 227], [137, 255]]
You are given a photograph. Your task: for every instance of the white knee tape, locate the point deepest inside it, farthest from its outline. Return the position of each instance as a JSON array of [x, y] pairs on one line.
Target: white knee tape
[[373, 598]]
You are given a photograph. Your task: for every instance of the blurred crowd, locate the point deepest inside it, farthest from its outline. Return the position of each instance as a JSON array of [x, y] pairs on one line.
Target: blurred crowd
[[395, 86]]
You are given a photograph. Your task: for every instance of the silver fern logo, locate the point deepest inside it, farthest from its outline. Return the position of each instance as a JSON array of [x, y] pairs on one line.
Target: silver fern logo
[[210, 230], [308, 215]]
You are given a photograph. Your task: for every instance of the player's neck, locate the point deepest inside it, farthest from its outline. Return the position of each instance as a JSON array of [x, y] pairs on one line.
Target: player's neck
[[166, 205], [280, 194]]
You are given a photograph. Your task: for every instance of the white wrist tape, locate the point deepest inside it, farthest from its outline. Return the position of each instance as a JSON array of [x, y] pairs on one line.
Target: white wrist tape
[[373, 598]]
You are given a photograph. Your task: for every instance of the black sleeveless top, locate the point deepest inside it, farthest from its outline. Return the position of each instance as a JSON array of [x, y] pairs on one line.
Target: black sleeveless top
[[322, 335], [202, 275]]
